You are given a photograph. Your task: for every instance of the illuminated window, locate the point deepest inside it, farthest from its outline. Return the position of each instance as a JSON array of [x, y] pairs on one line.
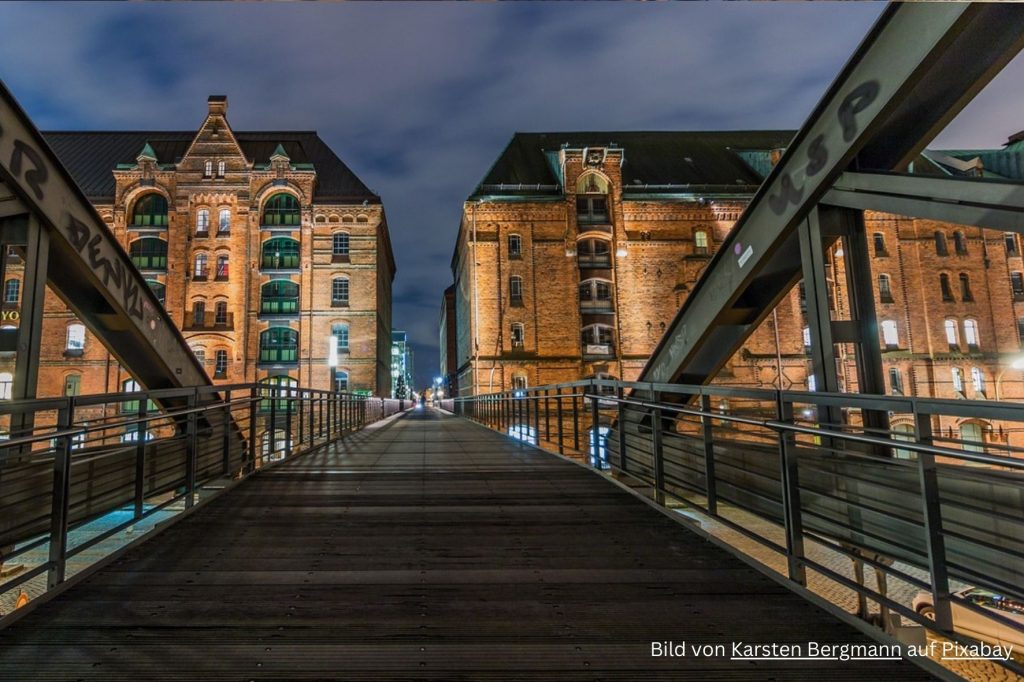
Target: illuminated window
[[220, 367], [700, 242], [76, 337], [224, 221], [952, 334], [208, 169], [203, 221], [971, 335], [890, 334], [220, 168], [281, 210], [150, 211]]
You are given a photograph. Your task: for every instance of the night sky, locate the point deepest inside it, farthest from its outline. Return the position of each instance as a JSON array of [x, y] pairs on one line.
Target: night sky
[[419, 99]]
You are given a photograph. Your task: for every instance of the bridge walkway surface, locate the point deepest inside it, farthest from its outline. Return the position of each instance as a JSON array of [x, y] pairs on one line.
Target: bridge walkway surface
[[425, 547]]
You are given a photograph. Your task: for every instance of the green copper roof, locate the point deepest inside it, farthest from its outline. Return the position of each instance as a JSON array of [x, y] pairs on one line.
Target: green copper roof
[[147, 152], [279, 153]]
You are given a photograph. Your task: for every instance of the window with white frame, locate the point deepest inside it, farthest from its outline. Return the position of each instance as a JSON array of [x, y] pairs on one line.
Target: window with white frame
[[517, 335], [208, 169], [340, 333], [203, 221], [340, 244], [515, 288], [515, 246], [76, 337], [220, 367], [700, 242], [952, 334], [890, 334], [339, 291], [224, 221], [971, 336], [978, 380], [6, 385], [200, 269], [220, 168], [958, 379], [12, 289]]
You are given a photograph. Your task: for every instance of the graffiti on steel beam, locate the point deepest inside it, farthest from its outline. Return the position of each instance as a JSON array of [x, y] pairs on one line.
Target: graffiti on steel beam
[[81, 237], [817, 152], [28, 166]]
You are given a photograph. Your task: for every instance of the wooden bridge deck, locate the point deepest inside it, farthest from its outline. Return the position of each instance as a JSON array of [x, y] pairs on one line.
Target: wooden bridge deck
[[427, 548]]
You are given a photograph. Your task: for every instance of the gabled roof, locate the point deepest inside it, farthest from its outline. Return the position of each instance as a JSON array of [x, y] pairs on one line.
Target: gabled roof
[[91, 158], [655, 162]]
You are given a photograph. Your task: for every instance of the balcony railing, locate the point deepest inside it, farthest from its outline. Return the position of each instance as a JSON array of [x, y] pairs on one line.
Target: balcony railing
[[158, 263], [282, 262], [279, 356], [601, 260], [279, 306], [597, 305], [598, 349]]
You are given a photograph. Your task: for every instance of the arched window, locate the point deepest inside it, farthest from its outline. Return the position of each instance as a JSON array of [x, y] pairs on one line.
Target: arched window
[[952, 334], [700, 243], [198, 314], [281, 210], [220, 365], [978, 380], [279, 297], [518, 335], [6, 385], [515, 289], [280, 253], [884, 289], [76, 338], [220, 313], [150, 210], [221, 167], [339, 245], [12, 289], [1012, 249], [879, 242], [971, 437], [339, 291], [515, 246], [971, 336], [341, 381], [149, 253], [960, 243], [595, 294], [199, 271], [222, 267], [520, 381], [594, 253], [941, 249], [591, 199], [73, 384], [279, 386], [200, 354], [159, 290], [224, 221], [945, 288], [890, 334], [203, 222], [340, 333], [957, 375], [279, 344], [597, 339], [208, 169], [965, 287]]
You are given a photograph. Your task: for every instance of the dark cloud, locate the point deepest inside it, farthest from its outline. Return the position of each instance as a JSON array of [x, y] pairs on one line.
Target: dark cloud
[[420, 98]]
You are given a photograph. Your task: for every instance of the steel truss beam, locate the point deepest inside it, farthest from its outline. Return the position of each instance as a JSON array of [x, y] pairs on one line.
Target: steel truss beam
[[918, 67], [87, 267]]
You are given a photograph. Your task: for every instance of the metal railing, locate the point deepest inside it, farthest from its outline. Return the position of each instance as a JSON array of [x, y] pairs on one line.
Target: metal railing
[[916, 504], [68, 462]]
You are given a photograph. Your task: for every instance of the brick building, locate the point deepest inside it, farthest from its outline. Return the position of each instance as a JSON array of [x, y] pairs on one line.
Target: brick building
[[262, 246], [577, 249]]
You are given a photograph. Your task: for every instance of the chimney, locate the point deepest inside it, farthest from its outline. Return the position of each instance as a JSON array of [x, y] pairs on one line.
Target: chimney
[[218, 104]]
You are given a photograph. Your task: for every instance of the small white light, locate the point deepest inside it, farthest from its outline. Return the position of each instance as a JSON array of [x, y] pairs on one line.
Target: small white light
[[332, 351]]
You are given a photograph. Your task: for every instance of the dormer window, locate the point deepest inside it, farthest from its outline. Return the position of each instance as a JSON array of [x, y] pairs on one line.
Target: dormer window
[[220, 169], [208, 169]]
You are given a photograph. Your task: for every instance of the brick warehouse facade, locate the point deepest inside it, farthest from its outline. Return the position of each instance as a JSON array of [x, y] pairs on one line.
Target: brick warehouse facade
[[586, 245], [261, 245]]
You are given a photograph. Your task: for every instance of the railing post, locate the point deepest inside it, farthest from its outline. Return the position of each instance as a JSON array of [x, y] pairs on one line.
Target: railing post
[[300, 417], [659, 461], [788, 468], [707, 429], [558, 416], [547, 417], [275, 394], [225, 432], [620, 394], [289, 393], [140, 459], [594, 448], [936, 543], [191, 441], [575, 419], [254, 411], [60, 502], [312, 416]]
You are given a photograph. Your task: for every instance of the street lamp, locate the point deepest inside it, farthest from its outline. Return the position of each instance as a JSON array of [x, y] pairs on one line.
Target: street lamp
[[1018, 364]]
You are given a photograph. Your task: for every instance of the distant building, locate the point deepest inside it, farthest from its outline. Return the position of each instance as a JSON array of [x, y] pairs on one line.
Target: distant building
[[261, 246], [402, 375], [446, 327], [577, 249]]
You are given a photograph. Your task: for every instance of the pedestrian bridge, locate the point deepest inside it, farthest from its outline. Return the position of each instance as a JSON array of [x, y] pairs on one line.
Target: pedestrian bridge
[[425, 547]]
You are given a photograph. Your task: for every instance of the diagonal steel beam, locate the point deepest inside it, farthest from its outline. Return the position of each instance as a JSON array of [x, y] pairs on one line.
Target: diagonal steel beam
[[919, 65], [88, 268]]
